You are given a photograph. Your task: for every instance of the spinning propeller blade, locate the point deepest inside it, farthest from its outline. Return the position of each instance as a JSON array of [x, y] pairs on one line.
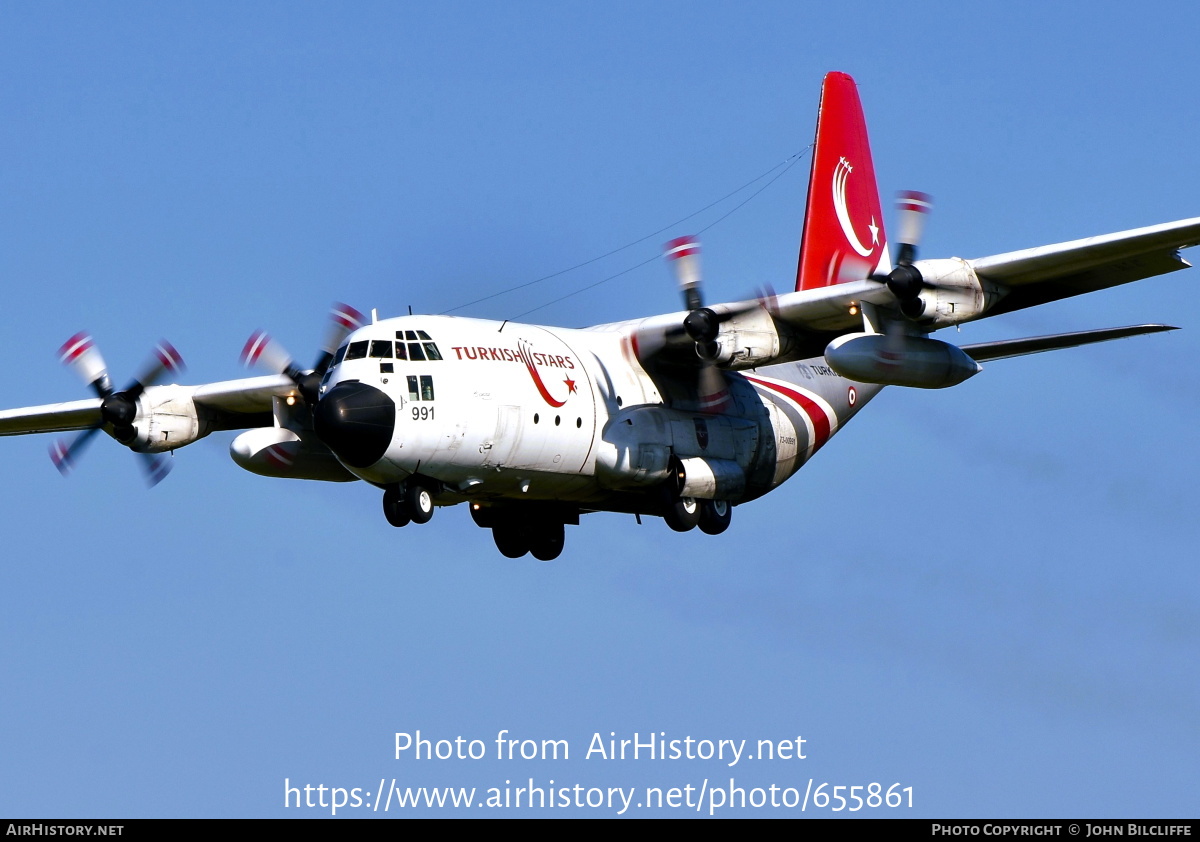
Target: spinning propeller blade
[[701, 324], [264, 351], [117, 409], [905, 280]]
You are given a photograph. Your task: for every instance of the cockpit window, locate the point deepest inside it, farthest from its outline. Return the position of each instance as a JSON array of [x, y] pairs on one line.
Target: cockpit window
[[337, 358], [426, 387], [413, 394], [357, 350], [381, 349], [419, 346]]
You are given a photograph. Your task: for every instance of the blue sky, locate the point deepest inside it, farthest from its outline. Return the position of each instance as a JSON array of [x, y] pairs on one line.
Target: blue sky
[[988, 594]]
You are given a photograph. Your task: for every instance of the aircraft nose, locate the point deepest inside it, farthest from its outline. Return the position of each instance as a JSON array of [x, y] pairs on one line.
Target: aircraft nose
[[356, 421]]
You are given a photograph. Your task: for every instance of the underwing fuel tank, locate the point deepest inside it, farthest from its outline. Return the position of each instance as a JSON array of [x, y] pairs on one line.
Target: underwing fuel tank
[[276, 452], [900, 360]]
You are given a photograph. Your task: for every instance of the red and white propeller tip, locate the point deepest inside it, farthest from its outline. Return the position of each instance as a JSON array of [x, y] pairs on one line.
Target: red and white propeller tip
[[912, 208], [343, 320], [80, 354], [164, 359], [264, 351], [684, 254]]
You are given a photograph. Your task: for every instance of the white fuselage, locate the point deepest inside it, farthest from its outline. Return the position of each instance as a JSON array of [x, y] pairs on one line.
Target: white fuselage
[[523, 412]]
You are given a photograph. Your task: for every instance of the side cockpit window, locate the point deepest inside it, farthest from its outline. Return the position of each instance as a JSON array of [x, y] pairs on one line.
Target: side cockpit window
[[420, 388], [357, 350]]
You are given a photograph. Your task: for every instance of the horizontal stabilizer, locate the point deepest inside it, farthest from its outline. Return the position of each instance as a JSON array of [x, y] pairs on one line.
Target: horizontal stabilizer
[[985, 351]]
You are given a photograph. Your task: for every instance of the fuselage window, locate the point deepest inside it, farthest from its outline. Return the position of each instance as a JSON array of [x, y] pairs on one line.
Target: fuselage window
[[381, 349], [414, 351], [420, 390], [431, 350], [357, 350]]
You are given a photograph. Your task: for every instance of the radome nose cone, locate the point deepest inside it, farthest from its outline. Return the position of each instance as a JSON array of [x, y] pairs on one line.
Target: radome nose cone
[[356, 422]]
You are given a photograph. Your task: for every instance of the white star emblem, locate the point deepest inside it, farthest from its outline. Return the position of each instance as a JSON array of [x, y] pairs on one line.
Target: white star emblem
[[874, 229]]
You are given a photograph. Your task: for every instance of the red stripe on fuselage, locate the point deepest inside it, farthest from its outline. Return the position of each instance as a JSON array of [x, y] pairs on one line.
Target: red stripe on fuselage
[[820, 421]]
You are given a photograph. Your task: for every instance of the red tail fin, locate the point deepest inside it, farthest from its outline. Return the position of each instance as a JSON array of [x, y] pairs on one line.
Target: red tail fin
[[843, 236]]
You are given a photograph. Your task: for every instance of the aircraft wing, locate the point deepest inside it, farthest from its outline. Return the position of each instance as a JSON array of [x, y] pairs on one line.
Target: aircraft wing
[[228, 405], [52, 418], [1031, 276], [248, 396], [1048, 273], [811, 317]]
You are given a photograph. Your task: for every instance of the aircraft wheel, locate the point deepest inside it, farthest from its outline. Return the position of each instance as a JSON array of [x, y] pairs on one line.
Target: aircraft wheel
[[547, 541], [393, 507], [511, 540], [715, 516], [682, 514], [484, 516], [418, 501]]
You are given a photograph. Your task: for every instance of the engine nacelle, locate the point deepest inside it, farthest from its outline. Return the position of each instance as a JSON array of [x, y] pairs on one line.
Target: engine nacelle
[[955, 293], [900, 360], [712, 479], [639, 446], [747, 340], [166, 419], [279, 452]]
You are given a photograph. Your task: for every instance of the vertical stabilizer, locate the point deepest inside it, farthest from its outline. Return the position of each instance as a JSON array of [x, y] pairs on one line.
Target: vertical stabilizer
[[843, 237]]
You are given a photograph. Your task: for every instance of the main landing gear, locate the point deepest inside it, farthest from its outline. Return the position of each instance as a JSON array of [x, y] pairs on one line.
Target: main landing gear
[[685, 513], [517, 531], [407, 502]]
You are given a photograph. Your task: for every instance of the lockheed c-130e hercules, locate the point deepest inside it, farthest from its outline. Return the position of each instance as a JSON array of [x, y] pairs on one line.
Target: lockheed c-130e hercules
[[683, 416]]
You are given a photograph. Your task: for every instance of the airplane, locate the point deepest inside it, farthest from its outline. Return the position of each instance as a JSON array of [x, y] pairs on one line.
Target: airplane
[[683, 416]]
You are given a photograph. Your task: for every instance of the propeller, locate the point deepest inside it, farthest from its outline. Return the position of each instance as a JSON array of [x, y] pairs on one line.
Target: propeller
[[701, 324], [263, 350], [118, 410], [905, 280]]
